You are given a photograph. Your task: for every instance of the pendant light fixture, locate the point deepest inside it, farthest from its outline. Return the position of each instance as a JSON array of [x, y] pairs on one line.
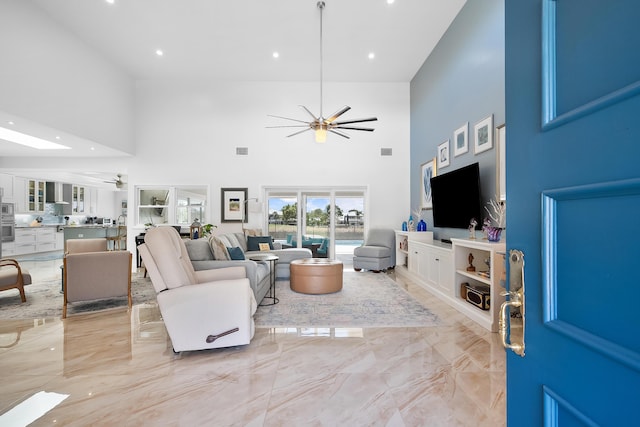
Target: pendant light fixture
[[321, 125]]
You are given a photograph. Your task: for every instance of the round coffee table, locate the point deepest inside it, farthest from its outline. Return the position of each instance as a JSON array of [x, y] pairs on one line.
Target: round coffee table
[[316, 276]]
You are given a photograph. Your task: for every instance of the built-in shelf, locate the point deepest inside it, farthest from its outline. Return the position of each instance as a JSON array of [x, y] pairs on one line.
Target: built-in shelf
[[442, 269]]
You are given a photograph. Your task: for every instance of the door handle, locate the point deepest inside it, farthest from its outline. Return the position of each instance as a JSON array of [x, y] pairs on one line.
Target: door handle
[[512, 334]]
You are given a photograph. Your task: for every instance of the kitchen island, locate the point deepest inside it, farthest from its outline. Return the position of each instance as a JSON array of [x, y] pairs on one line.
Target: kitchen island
[[89, 232]]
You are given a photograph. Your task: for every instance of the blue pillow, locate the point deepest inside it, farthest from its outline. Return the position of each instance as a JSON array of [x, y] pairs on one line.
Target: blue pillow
[[253, 242], [235, 253]]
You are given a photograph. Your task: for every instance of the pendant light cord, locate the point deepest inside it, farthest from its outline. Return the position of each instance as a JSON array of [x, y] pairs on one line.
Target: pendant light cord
[[321, 7]]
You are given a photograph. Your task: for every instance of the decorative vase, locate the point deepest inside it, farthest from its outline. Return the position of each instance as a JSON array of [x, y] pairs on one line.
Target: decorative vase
[[404, 226], [493, 234], [422, 226], [412, 226]]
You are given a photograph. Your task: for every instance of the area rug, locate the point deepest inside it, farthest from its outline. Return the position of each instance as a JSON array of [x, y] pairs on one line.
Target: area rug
[[44, 300], [366, 300]]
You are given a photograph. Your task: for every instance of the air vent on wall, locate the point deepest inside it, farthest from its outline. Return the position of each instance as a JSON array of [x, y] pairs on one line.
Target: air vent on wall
[[386, 151], [242, 151]]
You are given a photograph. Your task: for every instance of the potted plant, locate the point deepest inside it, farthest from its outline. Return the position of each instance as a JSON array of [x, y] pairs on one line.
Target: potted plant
[[207, 229]]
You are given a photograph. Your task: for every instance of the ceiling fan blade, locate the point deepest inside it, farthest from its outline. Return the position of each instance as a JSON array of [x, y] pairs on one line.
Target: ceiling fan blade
[[310, 113], [337, 114], [344, 135], [346, 122], [288, 126], [299, 132], [286, 118], [354, 128]]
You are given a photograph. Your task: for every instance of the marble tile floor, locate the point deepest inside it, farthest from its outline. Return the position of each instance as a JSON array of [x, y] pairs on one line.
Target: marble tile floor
[[118, 369]]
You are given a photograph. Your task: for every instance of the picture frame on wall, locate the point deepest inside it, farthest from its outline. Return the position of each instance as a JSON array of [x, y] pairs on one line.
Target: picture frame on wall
[[443, 154], [483, 135], [461, 140], [427, 171], [501, 162], [234, 208]]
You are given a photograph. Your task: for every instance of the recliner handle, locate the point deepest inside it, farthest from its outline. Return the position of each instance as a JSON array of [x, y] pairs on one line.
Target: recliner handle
[[212, 338]]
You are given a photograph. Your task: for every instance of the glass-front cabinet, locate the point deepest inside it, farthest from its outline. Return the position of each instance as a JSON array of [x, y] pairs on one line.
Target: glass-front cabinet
[[78, 199], [35, 195]]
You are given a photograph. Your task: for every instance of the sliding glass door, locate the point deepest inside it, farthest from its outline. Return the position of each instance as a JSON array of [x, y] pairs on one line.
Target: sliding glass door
[[330, 223]]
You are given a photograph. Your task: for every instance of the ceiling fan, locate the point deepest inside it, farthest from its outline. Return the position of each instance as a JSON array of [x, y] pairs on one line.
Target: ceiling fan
[[320, 124], [117, 181]]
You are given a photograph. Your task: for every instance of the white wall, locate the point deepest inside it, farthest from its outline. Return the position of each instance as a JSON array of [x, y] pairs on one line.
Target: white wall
[[49, 76], [187, 134]]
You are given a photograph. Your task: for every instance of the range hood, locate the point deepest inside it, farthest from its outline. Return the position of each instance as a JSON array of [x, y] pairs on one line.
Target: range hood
[[55, 193]]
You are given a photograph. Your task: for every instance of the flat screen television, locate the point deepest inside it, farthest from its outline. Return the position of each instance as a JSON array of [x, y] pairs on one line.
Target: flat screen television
[[456, 198]]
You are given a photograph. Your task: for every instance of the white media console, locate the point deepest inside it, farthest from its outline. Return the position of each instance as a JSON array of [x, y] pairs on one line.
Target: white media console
[[443, 269]]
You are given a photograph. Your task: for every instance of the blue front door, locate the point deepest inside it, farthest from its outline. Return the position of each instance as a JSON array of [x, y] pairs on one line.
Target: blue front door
[[573, 197]]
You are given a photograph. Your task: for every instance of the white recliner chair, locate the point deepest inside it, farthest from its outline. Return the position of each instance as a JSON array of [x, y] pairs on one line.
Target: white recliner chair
[[378, 251], [201, 309]]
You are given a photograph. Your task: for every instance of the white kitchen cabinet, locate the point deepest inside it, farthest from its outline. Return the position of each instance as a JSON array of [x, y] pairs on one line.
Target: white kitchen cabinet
[[45, 239], [20, 194], [6, 182], [35, 193]]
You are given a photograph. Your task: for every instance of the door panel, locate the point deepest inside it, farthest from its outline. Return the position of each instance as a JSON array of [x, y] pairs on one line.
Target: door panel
[[573, 196]]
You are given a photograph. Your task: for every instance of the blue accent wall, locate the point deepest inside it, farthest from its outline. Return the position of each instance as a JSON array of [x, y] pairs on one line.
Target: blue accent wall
[[461, 81]]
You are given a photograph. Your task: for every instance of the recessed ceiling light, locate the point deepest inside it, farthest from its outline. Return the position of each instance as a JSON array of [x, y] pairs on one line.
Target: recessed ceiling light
[[11, 123], [113, 1], [57, 137], [390, 1], [372, 55], [159, 52], [276, 55], [29, 141]]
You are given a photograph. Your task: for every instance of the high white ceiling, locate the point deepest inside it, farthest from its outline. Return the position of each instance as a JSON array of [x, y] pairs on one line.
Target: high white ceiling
[[236, 39]]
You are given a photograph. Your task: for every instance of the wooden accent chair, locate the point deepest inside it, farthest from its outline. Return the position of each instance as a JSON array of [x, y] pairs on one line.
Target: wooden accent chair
[[92, 272], [12, 276]]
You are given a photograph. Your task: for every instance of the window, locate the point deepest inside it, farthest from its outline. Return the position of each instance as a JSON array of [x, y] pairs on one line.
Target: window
[[171, 204], [330, 222]]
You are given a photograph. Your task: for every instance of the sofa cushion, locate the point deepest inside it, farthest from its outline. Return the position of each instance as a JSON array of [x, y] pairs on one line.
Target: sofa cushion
[[199, 250], [219, 248], [235, 253], [372, 252], [253, 242]]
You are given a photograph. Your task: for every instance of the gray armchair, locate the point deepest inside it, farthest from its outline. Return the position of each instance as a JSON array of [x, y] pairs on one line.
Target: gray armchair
[[378, 251]]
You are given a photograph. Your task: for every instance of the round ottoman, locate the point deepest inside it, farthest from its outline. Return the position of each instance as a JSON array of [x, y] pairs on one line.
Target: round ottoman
[[316, 275]]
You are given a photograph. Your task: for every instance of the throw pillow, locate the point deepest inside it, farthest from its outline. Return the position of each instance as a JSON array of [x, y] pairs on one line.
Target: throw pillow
[[219, 249], [253, 242], [252, 232], [236, 253]]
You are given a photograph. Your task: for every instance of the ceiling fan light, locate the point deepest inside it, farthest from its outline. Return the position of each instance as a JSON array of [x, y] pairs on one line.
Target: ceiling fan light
[[321, 134]]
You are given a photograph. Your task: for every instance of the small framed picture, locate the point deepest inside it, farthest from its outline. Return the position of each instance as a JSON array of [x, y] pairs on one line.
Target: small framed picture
[[460, 140], [483, 131], [443, 154], [427, 171], [264, 246], [234, 208]]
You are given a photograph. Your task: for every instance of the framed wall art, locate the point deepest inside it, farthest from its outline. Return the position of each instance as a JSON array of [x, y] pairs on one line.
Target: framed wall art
[[234, 208], [443, 154], [427, 171], [460, 140], [483, 132]]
